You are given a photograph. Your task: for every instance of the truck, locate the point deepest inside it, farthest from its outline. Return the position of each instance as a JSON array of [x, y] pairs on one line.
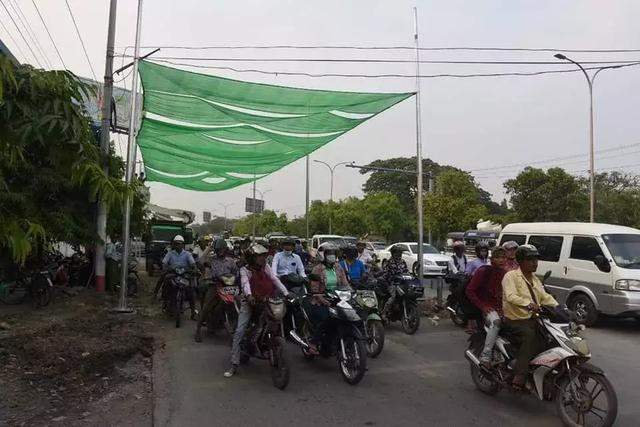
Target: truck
[[164, 225]]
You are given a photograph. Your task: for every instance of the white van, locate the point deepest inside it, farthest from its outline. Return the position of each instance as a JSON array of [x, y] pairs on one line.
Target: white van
[[595, 268]]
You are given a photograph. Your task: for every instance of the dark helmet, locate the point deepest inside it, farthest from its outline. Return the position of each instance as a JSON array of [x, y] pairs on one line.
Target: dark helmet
[[350, 251], [395, 249], [220, 244], [287, 241], [526, 252], [480, 246]]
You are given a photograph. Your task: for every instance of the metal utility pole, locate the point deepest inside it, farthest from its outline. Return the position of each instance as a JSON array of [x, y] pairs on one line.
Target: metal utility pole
[[306, 208], [592, 171], [255, 213], [225, 213], [131, 151], [332, 169], [430, 191], [107, 94], [419, 149]]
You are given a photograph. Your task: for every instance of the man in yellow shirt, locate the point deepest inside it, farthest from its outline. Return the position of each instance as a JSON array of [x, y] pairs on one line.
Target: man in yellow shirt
[[522, 296]]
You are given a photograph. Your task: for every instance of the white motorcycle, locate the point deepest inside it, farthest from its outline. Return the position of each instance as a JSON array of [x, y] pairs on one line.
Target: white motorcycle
[[582, 393]]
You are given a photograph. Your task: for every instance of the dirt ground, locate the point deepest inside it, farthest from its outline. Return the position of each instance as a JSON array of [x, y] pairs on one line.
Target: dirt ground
[[77, 363]]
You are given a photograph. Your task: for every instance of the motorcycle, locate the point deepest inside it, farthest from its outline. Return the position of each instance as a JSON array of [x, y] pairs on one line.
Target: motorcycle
[[405, 306], [263, 341], [365, 302], [342, 338], [454, 304], [179, 290], [561, 373], [225, 315]]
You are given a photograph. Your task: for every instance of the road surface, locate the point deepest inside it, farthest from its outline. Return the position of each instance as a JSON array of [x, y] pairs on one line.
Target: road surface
[[417, 380]]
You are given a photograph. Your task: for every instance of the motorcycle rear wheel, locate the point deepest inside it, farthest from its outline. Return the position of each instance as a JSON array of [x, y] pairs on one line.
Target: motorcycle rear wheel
[[375, 338], [411, 322], [574, 413], [354, 366], [280, 371]]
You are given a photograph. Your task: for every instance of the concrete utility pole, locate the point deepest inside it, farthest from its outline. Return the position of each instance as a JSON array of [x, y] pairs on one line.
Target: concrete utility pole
[[107, 94], [419, 150]]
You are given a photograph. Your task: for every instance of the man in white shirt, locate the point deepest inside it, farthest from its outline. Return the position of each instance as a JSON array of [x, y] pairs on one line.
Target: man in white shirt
[[286, 262], [458, 258], [364, 255]]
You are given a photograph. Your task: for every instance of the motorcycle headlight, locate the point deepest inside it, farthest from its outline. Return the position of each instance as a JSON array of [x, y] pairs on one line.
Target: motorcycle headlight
[[577, 344], [627, 285], [369, 302]]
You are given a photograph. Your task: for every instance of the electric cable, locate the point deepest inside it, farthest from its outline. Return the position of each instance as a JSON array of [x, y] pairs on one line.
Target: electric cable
[[15, 43], [27, 26], [49, 33], [21, 35], [81, 41]]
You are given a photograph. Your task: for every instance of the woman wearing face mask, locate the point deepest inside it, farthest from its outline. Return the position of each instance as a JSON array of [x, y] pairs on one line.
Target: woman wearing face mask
[[325, 276]]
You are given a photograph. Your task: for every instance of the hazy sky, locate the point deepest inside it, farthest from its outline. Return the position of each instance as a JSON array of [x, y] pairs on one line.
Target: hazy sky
[[469, 123]]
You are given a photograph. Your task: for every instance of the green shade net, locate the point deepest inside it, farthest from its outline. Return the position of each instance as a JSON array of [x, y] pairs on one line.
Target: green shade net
[[208, 133]]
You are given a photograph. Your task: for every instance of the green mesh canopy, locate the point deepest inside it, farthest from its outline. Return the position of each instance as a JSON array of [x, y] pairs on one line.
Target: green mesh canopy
[[209, 133]]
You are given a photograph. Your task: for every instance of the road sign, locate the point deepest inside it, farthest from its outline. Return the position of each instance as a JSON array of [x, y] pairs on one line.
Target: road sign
[[253, 205], [206, 216]]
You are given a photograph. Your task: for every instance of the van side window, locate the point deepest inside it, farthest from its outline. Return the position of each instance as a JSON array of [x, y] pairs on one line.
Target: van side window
[[518, 238], [549, 247], [585, 248]]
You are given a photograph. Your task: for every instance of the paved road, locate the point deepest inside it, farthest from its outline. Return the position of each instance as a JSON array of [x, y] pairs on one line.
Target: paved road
[[417, 380]]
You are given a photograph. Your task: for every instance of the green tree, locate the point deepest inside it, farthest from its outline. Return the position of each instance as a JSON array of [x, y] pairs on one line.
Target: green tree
[[554, 195], [50, 166], [385, 216], [617, 198], [455, 205]]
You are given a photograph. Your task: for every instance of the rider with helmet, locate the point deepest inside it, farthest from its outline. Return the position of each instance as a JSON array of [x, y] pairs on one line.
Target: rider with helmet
[[286, 262], [353, 267], [523, 295], [482, 258], [175, 258], [395, 266], [219, 265], [258, 282], [458, 258], [327, 275]]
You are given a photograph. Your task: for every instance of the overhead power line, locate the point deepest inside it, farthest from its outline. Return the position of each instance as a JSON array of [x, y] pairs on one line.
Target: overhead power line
[[413, 76], [49, 33], [75, 24], [15, 43], [20, 32], [411, 48], [554, 159], [25, 23], [387, 61]]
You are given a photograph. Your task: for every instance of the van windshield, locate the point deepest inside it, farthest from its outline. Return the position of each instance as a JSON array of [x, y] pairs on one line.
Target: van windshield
[[624, 248]]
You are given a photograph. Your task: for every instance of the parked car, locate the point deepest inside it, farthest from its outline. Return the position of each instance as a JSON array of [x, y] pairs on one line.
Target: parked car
[[595, 268], [319, 239], [435, 263]]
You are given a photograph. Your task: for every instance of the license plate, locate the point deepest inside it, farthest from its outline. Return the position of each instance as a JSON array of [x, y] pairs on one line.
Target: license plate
[[230, 290]]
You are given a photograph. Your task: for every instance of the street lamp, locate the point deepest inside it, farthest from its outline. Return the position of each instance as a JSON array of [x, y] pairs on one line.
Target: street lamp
[[225, 213], [592, 172], [332, 170]]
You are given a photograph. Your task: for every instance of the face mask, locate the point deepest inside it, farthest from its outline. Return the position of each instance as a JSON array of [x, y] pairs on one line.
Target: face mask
[[288, 253], [330, 259]]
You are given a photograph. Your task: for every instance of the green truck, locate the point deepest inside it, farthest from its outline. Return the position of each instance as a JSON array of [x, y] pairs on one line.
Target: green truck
[[158, 240]]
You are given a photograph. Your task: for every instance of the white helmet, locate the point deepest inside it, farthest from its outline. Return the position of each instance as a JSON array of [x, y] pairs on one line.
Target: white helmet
[[178, 238], [258, 249]]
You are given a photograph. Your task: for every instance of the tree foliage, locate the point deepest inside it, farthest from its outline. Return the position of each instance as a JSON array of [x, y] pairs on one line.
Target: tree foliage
[[553, 195], [51, 170]]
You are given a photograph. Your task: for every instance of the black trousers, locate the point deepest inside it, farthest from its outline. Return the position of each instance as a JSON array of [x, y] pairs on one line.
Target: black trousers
[[526, 333]]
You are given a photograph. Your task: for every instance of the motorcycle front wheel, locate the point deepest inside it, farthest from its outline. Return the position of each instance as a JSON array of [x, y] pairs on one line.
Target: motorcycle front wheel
[[177, 309], [375, 338], [411, 321], [587, 400], [279, 365], [354, 365]]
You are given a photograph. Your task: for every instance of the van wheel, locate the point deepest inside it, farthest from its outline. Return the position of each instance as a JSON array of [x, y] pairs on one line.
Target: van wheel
[[584, 308]]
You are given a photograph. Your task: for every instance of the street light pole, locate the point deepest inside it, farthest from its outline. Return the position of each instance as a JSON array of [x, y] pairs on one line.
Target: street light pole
[[225, 213], [592, 172], [331, 170]]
